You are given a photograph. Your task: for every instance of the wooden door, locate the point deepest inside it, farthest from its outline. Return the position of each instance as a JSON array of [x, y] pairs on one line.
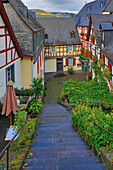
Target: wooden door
[[59, 65]]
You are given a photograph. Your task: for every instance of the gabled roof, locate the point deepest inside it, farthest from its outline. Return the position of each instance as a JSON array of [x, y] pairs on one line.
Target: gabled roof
[[94, 7], [96, 20], [108, 51], [59, 30], [106, 26], [10, 30], [25, 15], [109, 7]]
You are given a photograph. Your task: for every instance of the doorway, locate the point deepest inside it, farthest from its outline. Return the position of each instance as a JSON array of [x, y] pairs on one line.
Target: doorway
[[60, 65]]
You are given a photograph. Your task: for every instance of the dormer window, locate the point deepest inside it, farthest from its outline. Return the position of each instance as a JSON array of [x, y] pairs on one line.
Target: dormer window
[[86, 17], [72, 34], [87, 8], [46, 36], [101, 4]]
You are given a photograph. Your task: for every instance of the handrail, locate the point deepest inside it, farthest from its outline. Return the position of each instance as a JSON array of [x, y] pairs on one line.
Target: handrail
[[91, 102], [100, 127], [7, 146]]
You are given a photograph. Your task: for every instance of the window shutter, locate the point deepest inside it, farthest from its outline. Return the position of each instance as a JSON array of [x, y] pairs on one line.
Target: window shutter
[[73, 48], [66, 61], [12, 73], [66, 48], [74, 61]]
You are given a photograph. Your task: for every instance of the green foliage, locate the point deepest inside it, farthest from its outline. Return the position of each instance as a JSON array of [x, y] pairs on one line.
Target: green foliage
[[91, 91], [35, 106], [70, 70], [97, 137], [19, 119], [37, 87], [95, 59], [101, 62], [82, 50], [107, 73], [92, 38], [23, 99], [23, 92], [20, 123], [84, 57]]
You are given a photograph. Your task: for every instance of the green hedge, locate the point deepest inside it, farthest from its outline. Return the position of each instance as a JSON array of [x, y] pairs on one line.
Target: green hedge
[[88, 91], [97, 137]]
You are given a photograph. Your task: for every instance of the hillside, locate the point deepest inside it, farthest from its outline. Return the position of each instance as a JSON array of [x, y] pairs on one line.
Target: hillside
[[42, 13]]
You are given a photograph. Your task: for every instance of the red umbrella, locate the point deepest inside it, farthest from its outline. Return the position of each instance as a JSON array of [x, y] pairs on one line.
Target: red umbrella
[[10, 103]]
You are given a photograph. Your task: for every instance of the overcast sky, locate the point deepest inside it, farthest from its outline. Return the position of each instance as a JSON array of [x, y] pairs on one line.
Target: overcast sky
[[56, 5]]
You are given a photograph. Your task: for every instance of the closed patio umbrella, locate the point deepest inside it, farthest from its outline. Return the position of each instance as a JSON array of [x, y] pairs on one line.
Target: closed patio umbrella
[[10, 103]]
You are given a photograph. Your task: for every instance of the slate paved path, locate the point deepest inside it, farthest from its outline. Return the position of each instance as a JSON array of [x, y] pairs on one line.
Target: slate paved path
[[57, 146]]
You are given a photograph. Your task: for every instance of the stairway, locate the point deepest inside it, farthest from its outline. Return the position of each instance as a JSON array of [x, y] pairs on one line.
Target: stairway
[[57, 146]]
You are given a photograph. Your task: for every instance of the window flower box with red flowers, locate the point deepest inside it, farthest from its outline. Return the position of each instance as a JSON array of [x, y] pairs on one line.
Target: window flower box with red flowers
[[82, 34], [86, 34], [89, 73], [92, 39]]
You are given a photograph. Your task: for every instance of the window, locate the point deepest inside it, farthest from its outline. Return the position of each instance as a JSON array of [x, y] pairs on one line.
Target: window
[[86, 17], [70, 61], [41, 36], [46, 36], [87, 8], [69, 48], [10, 73], [53, 49], [72, 34]]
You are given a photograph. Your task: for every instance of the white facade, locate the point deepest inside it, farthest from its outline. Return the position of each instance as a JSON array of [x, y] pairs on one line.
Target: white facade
[[17, 76], [10, 63]]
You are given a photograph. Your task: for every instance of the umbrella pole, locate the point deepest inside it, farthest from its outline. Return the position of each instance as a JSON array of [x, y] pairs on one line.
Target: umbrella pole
[[10, 118]]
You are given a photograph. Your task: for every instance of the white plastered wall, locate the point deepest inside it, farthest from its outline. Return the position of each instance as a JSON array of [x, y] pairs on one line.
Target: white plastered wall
[[18, 77], [50, 65]]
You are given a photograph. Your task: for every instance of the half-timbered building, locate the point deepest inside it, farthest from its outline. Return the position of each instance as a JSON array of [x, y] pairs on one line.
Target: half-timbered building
[[62, 45], [30, 36], [101, 28], [83, 17], [10, 54]]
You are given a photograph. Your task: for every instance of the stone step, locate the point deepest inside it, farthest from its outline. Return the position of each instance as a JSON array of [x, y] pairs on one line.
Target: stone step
[[61, 154], [64, 162], [61, 134], [53, 144], [43, 168], [60, 148], [84, 167], [63, 140], [64, 136]]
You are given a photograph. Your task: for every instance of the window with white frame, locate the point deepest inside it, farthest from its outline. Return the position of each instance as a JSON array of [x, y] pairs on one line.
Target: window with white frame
[[10, 73], [70, 48], [53, 49], [70, 61]]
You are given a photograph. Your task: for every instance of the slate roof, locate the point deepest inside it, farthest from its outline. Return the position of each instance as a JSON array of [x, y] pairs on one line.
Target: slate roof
[[59, 30], [108, 51], [96, 21], [109, 7], [18, 5], [106, 26], [88, 9]]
